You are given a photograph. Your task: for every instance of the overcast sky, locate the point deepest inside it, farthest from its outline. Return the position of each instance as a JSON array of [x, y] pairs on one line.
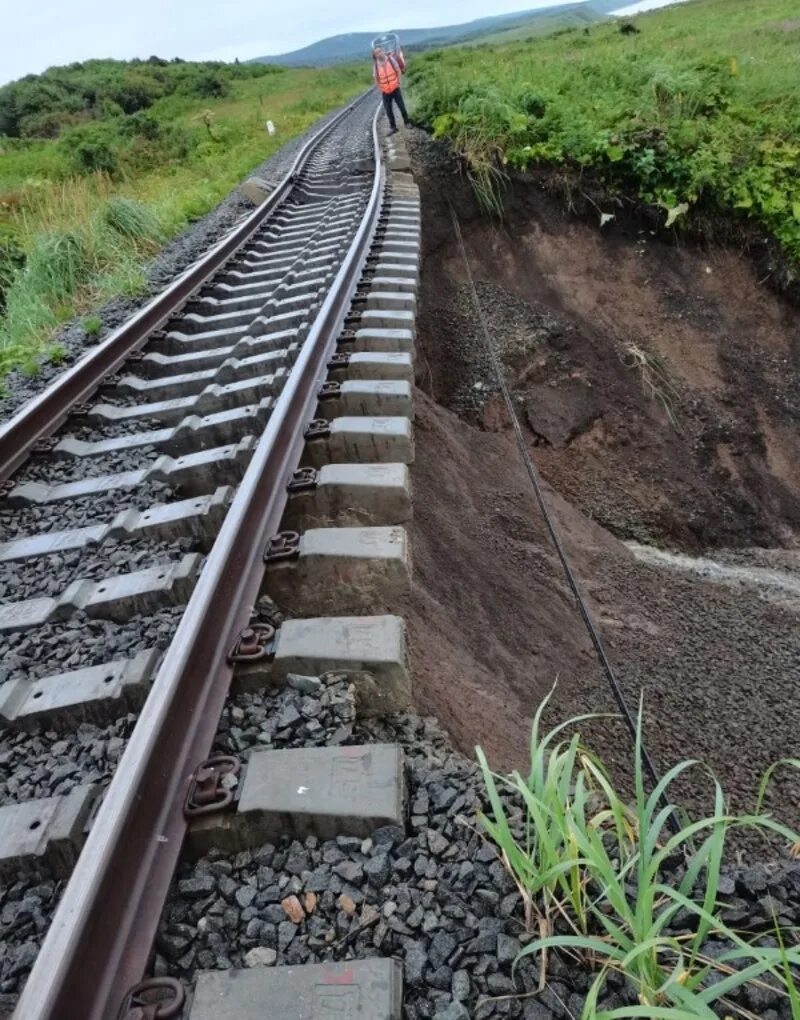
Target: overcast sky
[[37, 34]]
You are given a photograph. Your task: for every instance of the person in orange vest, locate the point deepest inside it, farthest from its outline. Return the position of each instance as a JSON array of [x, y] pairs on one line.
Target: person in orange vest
[[386, 72]]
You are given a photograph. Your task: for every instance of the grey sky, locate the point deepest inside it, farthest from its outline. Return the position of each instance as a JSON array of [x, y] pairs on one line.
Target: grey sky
[[36, 35]]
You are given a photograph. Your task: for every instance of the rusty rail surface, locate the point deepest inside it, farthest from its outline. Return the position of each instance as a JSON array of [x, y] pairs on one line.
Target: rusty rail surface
[[41, 416], [101, 936]]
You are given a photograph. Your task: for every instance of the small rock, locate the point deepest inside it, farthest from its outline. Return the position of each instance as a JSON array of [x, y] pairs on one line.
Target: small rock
[[403, 866], [726, 886], [507, 948], [441, 978], [297, 862], [310, 902], [510, 904], [245, 896], [499, 984], [461, 985], [304, 684], [455, 1011], [378, 870], [273, 914], [260, 957], [350, 871], [293, 909], [388, 835], [288, 717], [286, 932], [442, 796], [753, 879], [369, 914], [172, 946], [536, 1011], [437, 844], [197, 888], [346, 904], [441, 948], [415, 960]]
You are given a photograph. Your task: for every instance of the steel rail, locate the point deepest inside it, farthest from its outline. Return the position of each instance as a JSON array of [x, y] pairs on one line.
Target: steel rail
[[42, 415], [102, 933]]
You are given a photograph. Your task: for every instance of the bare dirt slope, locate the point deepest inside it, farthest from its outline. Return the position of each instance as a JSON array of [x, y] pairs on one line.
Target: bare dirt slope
[[492, 622]]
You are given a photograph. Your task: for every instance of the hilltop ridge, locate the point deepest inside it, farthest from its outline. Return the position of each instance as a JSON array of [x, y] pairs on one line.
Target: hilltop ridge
[[353, 45]]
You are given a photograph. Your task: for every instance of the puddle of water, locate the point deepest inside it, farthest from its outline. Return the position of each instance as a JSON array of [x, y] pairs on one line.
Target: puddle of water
[[781, 583]]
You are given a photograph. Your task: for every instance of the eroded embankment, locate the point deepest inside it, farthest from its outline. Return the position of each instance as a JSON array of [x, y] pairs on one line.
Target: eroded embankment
[[659, 397]]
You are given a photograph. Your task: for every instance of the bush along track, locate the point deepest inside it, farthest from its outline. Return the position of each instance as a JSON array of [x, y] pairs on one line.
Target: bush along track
[[694, 112]]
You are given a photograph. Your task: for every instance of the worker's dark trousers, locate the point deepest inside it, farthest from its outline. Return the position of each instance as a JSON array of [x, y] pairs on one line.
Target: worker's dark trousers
[[394, 97]]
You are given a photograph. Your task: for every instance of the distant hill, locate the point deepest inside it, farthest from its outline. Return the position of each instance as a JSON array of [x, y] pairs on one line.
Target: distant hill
[[607, 6], [578, 15], [354, 45]]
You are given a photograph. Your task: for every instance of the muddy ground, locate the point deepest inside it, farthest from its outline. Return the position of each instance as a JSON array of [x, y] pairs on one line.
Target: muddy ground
[[659, 393]]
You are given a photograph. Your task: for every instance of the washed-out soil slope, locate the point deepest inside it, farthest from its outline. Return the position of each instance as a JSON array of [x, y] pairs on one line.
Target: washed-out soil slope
[[493, 622]]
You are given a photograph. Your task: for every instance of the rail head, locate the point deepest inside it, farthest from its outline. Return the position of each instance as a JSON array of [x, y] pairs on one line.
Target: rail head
[[43, 414], [102, 933]]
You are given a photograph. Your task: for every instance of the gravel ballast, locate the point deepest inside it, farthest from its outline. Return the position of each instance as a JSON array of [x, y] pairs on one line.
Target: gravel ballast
[[434, 895]]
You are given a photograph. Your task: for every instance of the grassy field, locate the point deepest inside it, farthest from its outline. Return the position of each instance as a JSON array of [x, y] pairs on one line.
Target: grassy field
[[83, 211], [691, 107], [543, 24]]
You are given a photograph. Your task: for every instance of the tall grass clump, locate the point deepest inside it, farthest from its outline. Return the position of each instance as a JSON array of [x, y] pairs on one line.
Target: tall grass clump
[[58, 264], [536, 842], [67, 269], [615, 886], [135, 221], [655, 379], [483, 126]]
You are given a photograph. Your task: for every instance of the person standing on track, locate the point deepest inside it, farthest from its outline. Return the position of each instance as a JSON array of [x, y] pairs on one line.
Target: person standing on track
[[387, 72]]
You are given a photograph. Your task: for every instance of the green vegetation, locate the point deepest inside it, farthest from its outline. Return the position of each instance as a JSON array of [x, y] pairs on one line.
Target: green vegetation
[[92, 325], [102, 162], [595, 874], [691, 108], [544, 23]]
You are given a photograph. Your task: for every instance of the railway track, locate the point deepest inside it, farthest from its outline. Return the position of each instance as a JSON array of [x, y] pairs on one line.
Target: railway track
[[205, 511]]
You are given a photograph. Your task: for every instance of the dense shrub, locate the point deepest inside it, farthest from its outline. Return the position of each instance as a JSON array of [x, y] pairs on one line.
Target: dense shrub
[[92, 149], [136, 92], [205, 85], [140, 125], [34, 106]]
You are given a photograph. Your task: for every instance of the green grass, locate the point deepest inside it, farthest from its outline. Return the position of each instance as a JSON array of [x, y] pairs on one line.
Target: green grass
[[699, 111], [541, 24], [592, 872], [70, 240]]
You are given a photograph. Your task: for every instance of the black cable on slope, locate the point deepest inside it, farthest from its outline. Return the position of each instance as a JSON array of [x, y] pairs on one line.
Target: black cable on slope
[[605, 663]]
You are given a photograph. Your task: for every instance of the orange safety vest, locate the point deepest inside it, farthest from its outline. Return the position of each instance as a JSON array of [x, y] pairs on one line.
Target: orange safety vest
[[387, 75]]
